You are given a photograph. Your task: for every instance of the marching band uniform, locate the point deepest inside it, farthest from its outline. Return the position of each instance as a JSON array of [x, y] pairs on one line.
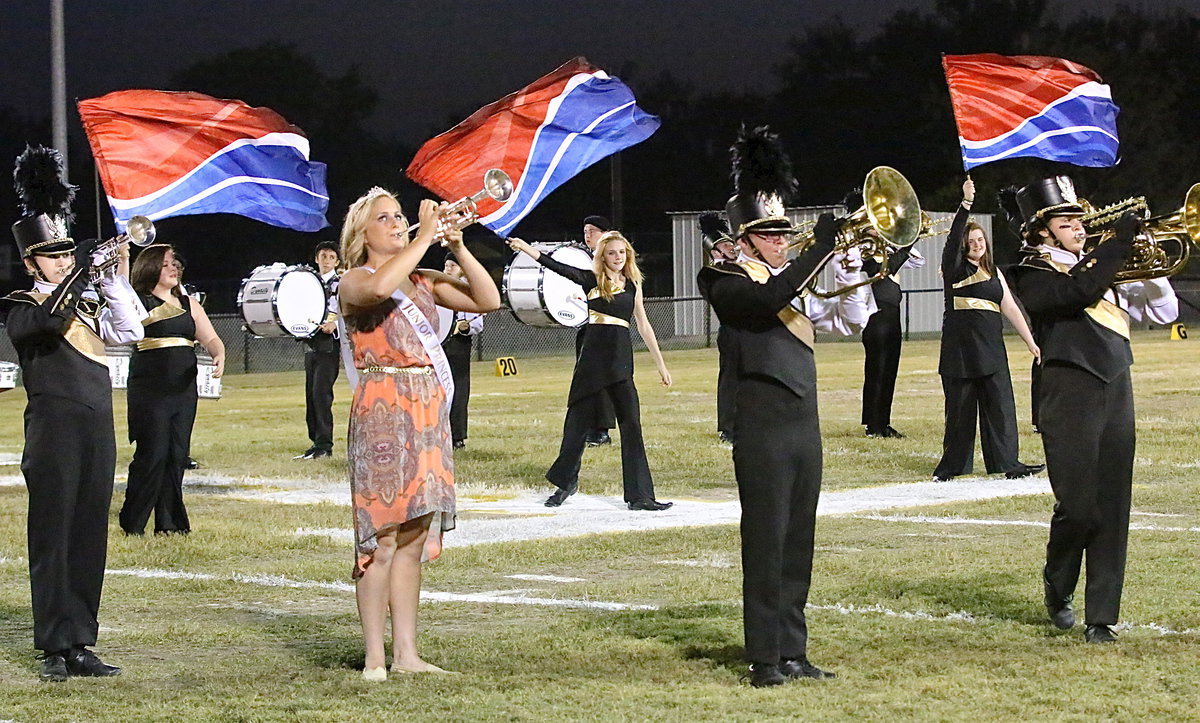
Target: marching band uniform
[[606, 417], [322, 361], [59, 332], [973, 364], [464, 327], [777, 437], [162, 410], [604, 368], [881, 343], [1086, 400]]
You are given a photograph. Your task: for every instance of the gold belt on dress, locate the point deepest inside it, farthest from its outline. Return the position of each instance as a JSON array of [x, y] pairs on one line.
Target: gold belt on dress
[[162, 342], [397, 370], [970, 302], [596, 317]]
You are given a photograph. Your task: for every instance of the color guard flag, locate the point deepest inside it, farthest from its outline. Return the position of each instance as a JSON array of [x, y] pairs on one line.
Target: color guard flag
[[1028, 105], [163, 154], [541, 136]]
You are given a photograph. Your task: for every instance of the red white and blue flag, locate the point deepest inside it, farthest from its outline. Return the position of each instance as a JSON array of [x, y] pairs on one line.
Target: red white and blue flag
[[1028, 105], [164, 154], [541, 136]]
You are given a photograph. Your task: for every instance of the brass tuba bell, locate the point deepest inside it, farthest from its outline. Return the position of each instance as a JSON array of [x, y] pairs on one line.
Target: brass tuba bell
[[890, 219]]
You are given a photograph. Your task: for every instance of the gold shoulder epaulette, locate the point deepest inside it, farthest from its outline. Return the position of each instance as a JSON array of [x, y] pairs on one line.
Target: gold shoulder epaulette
[[727, 267]]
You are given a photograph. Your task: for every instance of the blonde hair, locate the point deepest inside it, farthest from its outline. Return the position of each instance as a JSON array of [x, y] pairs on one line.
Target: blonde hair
[[631, 270], [353, 236]]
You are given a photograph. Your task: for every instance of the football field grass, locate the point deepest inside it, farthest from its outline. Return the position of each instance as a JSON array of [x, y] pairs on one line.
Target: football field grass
[[925, 613]]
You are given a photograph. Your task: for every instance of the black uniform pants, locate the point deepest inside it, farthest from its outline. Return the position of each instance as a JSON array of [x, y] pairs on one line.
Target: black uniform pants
[[777, 460], [161, 427], [726, 382], [320, 373], [458, 354], [68, 462], [1088, 432], [603, 416], [991, 398], [581, 415], [881, 342]]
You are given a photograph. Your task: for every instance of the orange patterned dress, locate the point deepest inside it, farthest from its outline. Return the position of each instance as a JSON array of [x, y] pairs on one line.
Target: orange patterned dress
[[398, 448]]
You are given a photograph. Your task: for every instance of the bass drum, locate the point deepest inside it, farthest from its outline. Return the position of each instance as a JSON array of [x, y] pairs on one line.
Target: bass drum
[[280, 300], [445, 320], [8, 375], [539, 297]]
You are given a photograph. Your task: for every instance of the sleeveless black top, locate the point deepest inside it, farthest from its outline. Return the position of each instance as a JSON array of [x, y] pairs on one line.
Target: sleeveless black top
[[165, 369]]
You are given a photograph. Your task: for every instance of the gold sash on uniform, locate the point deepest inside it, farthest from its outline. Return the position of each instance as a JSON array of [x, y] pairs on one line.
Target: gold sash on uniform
[[595, 317], [970, 302], [162, 342], [796, 322], [1103, 312]]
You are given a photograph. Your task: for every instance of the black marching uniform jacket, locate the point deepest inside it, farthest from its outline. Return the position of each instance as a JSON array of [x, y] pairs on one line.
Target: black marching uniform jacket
[[1086, 418], [777, 442]]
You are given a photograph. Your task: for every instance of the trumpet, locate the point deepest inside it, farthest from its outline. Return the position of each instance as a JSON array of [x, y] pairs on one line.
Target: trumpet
[[1163, 245], [139, 231], [889, 220], [463, 212]]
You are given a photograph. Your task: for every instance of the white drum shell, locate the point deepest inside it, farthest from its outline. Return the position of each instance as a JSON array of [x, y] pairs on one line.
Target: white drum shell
[[207, 386], [279, 301], [8, 375], [118, 365], [445, 320], [539, 297]]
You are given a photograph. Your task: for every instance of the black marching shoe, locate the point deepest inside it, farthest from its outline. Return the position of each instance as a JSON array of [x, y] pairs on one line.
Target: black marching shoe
[[460, 443], [598, 438], [1099, 634], [1024, 470], [891, 433], [649, 505], [725, 437], [54, 667], [801, 668], [191, 464], [561, 494], [765, 675], [84, 663], [1062, 615]]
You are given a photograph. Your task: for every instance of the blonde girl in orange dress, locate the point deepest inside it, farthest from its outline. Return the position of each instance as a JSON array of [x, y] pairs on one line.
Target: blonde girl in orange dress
[[399, 447]]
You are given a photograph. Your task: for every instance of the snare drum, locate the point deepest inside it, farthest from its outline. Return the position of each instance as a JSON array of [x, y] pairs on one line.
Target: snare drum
[[207, 386], [539, 297], [118, 365], [279, 300], [8, 375]]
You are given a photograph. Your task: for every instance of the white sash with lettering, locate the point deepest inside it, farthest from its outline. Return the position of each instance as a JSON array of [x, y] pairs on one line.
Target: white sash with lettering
[[425, 333]]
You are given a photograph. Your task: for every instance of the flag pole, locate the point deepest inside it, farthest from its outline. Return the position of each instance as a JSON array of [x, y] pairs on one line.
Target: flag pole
[[58, 81]]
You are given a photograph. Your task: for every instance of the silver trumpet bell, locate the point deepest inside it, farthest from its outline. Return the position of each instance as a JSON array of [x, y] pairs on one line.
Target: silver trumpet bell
[[463, 212], [139, 231]]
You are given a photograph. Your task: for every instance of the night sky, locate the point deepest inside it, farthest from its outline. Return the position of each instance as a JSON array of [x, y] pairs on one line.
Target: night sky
[[430, 61]]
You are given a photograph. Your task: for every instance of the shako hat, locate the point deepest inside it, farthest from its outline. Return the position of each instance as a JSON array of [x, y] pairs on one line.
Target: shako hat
[[45, 203], [762, 183], [1047, 198]]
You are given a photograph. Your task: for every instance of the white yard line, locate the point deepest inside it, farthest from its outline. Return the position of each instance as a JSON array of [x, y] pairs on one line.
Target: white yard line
[[926, 520]]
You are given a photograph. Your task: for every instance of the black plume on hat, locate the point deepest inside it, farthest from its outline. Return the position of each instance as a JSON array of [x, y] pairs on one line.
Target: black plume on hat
[[40, 184], [1007, 199], [714, 228], [760, 165]]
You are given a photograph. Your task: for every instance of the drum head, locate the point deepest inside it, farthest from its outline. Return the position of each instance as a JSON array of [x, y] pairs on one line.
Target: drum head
[[562, 298], [300, 302]]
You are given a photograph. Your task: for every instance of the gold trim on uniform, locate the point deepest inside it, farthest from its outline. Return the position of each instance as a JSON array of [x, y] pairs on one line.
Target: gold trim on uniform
[[796, 322], [970, 302], [1110, 316], [162, 312], [374, 369], [85, 340], [595, 317], [976, 278], [162, 342]]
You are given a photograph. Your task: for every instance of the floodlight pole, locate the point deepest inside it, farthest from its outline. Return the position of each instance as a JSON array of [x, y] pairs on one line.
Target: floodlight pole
[[58, 80]]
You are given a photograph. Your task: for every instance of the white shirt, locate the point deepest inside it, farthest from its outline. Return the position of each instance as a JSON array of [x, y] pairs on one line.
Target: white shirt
[[1151, 301], [120, 321], [843, 315]]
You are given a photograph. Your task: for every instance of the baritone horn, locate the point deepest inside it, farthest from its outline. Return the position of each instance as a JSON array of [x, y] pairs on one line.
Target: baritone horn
[[1163, 245], [889, 220], [463, 212], [139, 231]]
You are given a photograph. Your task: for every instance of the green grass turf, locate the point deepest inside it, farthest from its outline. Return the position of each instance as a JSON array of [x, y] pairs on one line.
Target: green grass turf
[[973, 645]]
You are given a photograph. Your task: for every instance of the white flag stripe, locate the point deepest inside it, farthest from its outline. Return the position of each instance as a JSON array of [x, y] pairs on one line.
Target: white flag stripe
[[231, 181], [1091, 89], [1034, 141]]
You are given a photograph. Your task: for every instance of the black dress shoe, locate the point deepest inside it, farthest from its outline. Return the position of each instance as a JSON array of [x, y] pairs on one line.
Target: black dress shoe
[[1099, 634], [765, 675], [84, 663], [306, 454], [1024, 470], [875, 433], [598, 438], [191, 464], [561, 494], [891, 433], [801, 668], [460, 443], [54, 668], [725, 437], [1062, 615], [650, 505]]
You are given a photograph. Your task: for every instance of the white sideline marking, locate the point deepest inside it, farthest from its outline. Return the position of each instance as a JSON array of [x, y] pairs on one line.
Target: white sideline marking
[[712, 562], [924, 519], [545, 578], [8, 458], [509, 597], [524, 517]]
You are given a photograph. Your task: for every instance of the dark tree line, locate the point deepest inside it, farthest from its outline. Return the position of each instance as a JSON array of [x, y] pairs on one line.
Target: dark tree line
[[844, 101]]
